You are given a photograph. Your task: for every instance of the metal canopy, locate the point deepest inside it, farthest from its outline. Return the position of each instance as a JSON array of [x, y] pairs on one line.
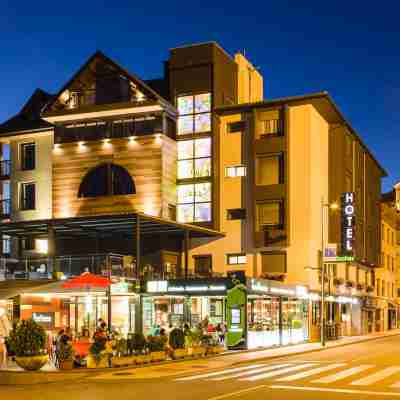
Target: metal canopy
[[104, 225]]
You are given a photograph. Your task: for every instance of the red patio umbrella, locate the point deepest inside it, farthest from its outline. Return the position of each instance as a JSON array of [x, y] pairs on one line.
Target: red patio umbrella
[[87, 281]]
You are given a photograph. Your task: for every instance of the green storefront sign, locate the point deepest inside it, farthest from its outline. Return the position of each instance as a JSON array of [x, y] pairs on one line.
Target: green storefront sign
[[236, 303]]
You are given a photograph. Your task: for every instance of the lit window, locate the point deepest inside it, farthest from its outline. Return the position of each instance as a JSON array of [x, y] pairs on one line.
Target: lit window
[[42, 246], [27, 151], [235, 171], [27, 199], [234, 259], [271, 127], [194, 202], [194, 113], [194, 158]]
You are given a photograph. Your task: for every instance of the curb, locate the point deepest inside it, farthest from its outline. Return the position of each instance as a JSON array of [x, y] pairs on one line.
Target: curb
[[28, 378]]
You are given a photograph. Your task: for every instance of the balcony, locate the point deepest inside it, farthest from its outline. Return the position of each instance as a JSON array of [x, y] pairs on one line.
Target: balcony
[[5, 208], [5, 169]]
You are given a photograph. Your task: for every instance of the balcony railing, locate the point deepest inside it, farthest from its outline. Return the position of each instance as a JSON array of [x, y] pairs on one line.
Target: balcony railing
[[5, 169], [5, 208]]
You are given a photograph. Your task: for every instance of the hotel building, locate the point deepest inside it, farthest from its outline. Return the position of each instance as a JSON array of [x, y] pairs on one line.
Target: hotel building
[[187, 182]]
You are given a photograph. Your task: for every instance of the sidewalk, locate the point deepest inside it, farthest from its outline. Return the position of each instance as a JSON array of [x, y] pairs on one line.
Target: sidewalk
[[171, 368]]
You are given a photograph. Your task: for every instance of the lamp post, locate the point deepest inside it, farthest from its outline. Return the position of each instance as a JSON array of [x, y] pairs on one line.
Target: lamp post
[[324, 206]]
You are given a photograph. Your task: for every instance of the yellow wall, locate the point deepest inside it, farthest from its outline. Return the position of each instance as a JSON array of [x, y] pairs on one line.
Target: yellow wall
[[250, 81]]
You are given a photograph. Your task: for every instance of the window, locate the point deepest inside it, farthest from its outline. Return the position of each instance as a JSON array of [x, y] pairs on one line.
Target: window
[[194, 113], [378, 287], [234, 127], [29, 243], [27, 196], [235, 171], [27, 151], [274, 263], [271, 127], [236, 213], [269, 170], [194, 158], [269, 214], [203, 265], [6, 245], [194, 202], [235, 259], [106, 180]]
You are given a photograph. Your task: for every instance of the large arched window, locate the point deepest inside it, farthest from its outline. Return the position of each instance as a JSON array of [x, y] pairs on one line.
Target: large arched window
[[106, 180]]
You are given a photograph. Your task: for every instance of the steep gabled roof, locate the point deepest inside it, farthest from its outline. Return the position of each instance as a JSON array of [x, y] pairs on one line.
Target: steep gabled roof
[[29, 116], [147, 90]]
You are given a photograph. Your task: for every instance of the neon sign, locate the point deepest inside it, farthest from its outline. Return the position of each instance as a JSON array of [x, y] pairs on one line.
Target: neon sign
[[348, 222]]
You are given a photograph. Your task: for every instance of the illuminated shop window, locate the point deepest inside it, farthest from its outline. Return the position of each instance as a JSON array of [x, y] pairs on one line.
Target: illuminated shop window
[[194, 202], [194, 114], [194, 158]]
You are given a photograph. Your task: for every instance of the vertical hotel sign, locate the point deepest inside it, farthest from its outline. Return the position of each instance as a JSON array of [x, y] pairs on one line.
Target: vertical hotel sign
[[348, 223]]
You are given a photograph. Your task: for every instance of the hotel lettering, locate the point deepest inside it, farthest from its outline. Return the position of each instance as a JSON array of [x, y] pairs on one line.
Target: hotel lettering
[[348, 222]]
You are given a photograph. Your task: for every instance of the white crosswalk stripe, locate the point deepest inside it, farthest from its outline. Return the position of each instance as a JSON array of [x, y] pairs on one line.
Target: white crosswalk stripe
[[276, 373], [376, 377], [343, 374], [195, 377], [251, 372], [311, 372]]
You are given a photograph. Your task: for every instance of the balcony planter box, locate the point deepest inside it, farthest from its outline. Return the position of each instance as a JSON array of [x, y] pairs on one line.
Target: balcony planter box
[[215, 350], [338, 281], [197, 351], [32, 363], [142, 359], [124, 361], [179, 353], [93, 363], [156, 356], [350, 284]]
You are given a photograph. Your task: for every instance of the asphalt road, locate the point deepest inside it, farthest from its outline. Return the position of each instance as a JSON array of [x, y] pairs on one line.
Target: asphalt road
[[356, 372]]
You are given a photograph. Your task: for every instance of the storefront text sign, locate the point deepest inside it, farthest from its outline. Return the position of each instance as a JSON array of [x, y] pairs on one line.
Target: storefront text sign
[[348, 222], [164, 286]]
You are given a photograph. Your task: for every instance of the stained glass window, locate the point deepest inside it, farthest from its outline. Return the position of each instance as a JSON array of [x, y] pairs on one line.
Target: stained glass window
[[194, 113], [194, 158], [194, 202]]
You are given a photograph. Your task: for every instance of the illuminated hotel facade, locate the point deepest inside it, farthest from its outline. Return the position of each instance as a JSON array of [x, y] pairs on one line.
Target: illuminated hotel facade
[[193, 176]]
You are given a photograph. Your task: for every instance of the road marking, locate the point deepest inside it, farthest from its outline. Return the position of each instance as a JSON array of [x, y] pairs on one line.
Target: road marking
[[194, 377], [305, 374], [378, 376], [276, 373], [254, 371], [343, 374], [238, 393], [350, 391]]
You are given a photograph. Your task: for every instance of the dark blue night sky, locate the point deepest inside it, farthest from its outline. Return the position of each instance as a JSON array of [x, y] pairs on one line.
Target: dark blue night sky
[[349, 48]]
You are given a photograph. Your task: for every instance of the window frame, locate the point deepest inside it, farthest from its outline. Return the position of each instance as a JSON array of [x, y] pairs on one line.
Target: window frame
[[279, 132], [237, 256], [22, 196], [280, 224], [194, 113], [281, 168], [230, 210], [241, 123], [23, 158], [202, 256], [194, 158], [274, 253], [194, 202], [235, 168]]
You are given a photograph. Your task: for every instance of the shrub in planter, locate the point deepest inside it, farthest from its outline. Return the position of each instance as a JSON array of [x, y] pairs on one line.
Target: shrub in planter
[[97, 357], [65, 355], [27, 341], [177, 343], [136, 343], [156, 346]]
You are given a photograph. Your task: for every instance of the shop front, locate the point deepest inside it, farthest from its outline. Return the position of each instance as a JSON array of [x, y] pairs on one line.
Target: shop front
[[256, 313]]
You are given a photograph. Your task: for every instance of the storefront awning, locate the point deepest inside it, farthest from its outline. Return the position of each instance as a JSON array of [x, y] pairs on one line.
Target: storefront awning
[[105, 225]]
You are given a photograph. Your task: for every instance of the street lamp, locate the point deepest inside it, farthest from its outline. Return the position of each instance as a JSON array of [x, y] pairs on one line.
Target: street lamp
[[328, 206]]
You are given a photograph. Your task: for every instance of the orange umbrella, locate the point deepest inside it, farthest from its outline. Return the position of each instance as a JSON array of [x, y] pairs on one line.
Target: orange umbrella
[[87, 281]]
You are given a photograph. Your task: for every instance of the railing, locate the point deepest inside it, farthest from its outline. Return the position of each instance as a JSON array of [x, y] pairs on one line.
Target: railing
[[5, 168], [5, 208], [271, 127]]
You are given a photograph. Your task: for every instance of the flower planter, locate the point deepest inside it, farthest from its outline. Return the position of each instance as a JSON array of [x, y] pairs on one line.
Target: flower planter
[[66, 365], [142, 359], [158, 356], [32, 363], [179, 353], [124, 361], [93, 363], [197, 351]]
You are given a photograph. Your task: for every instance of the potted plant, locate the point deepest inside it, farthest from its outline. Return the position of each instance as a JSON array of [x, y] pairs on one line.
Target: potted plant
[[27, 341], [212, 345], [137, 346], [122, 357], [194, 343], [177, 344], [98, 357], [156, 346], [65, 356]]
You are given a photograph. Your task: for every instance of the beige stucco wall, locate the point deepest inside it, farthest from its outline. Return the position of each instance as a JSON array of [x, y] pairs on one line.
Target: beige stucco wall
[[41, 175], [308, 185]]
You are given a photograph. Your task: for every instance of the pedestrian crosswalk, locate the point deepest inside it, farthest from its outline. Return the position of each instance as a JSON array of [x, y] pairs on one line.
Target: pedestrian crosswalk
[[315, 373]]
